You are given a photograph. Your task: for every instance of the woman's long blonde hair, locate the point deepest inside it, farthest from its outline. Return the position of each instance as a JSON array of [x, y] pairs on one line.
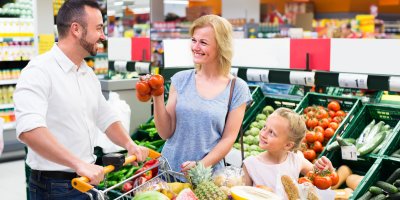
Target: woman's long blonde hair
[[223, 36]]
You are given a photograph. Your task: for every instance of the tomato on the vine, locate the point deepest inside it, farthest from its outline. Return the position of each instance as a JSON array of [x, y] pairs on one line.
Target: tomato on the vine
[[322, 182], [304, 180], [143, 98], [143, 88], [157, 92], [156, 81], [334, 177]]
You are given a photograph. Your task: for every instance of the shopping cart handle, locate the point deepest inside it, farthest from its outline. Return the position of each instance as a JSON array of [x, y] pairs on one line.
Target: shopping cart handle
[[82, 183]]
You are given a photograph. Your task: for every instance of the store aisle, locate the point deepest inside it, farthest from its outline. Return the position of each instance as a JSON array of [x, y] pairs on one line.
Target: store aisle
[[12, 180]]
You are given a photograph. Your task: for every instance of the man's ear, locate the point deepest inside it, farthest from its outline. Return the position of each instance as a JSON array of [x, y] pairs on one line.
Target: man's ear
[[75, 29]]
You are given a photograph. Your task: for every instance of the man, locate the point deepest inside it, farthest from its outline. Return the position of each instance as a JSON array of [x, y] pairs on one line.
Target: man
[[59, 105]]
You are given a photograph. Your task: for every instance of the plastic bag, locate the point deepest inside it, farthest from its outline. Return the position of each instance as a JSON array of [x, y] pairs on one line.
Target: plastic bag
[[229, 176]]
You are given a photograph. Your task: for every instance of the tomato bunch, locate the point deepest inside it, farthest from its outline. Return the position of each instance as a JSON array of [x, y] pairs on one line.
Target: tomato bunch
[[149, 85], [321, 123], [321, 179]]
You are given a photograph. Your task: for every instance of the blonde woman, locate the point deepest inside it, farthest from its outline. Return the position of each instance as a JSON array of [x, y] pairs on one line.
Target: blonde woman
[[193, 121]]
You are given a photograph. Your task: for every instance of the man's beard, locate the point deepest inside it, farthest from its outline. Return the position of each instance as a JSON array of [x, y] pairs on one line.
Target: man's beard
[[89, 47]]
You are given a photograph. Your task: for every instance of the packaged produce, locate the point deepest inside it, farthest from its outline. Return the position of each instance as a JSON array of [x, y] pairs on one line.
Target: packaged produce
[[229, 176]]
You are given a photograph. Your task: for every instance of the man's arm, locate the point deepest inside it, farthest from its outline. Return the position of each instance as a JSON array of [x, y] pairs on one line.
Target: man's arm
[[46, 145], [118, 135]]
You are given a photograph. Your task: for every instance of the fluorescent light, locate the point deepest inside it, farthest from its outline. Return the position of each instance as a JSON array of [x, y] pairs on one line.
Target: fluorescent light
[[185, 2]]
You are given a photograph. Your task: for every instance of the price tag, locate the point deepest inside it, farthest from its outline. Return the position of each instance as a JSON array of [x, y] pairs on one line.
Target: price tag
[[349, 152], [234, 71], [394, 83], [302, 78], [120, 66], [142, 67], [353, 80], [257, 75]]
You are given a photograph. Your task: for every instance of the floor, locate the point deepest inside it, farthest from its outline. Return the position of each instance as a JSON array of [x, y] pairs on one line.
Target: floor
[[12, 180]]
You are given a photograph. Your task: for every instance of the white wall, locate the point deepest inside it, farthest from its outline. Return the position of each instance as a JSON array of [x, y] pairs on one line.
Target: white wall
[[179, 9], [234, 9]]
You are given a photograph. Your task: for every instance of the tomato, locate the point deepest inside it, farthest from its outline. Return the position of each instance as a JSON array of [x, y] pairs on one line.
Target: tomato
[[310, 175], [143, 98], [334, 105], [311, 123], [334, 177], [328, 133], [324, 123], [317, 147], [319, 136], [303, 146], [322, 113], [157, 92], [309, 154], [340, 113], [337, 119], [331, 113], [333, 125], [156, 81], [304, 180], [143, 88], [310, 136], [310, 114], [308, 109], [322, 182], [319, 129]]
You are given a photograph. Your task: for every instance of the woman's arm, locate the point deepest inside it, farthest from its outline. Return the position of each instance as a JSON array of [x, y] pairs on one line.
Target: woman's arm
[[164, 116], [231, 130]]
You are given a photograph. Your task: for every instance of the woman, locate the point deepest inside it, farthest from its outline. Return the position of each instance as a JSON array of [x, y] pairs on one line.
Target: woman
[[193, 121]]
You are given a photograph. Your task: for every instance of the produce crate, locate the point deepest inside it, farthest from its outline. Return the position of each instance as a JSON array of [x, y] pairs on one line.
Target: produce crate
[[367, 97], [361, 167], [384, 167], [275, 101], [389, 114], [394, 143], [348, 104], [257, 96]]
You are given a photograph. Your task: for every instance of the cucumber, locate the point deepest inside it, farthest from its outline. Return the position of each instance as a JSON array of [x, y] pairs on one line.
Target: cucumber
[[350, 140], [379, 197], [366, 196], [343, 142], [333, 146], [372, 144], [397, 183], [379, 147], [389, 188], [394, 176], [394, 196], [385, 128], [364, 133], [396, 155], [375, 190], [396, 152], [374, 131]]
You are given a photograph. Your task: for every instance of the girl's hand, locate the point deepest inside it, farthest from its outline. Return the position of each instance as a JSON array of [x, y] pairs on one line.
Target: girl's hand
[[187, 165], [323, 164]]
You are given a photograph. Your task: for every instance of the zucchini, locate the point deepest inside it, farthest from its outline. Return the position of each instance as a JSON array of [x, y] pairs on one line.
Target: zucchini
[[372, 144], [396, 152], [343, 142], [396, 155], [364, 133], [333, 146], [379, 147], [350, 140], [366, 196], [385, 128], [374, 131], [394, 176], [394, 196], [389, 188], [375, 190], [397, 183], [379, 197]]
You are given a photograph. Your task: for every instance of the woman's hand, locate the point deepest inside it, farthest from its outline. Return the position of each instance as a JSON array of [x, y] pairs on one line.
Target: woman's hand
[[187, 165], [323, 164]]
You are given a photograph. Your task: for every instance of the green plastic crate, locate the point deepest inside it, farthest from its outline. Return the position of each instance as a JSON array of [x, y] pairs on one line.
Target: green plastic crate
[[370, 96], [257, 95], [383, 168], [275, 101], [361, 167], [389, 114], [394, 143], [348, 104]]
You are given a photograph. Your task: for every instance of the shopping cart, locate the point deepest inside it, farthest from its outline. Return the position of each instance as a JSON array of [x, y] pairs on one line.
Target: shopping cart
[[165, 173]]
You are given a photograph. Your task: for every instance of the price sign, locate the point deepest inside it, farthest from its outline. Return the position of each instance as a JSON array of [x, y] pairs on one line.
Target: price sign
[[142, 67], [394, 83], [257, 75], [353, 80], [349, 152], [302, 78], [234, 71], [120, 66]]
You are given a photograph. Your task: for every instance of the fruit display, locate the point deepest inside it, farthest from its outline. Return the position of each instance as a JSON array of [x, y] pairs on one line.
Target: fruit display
[[149, 85]]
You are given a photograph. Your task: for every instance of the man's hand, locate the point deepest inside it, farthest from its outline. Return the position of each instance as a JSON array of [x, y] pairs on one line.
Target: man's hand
[[140, 152], [95, 173]]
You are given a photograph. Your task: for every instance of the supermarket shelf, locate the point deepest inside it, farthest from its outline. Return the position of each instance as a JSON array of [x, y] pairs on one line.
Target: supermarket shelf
[[9, 126], [6, 106], [16, 39], [8, 82]]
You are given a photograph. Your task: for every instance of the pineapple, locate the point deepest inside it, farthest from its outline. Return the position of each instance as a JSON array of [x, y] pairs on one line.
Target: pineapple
[[204, 188]]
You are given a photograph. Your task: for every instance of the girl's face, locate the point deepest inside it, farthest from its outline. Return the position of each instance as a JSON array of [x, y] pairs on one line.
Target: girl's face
[[204, 46], [274, 136]]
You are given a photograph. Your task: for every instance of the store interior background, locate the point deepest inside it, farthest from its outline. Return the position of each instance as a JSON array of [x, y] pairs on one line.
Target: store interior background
[[136, 30]]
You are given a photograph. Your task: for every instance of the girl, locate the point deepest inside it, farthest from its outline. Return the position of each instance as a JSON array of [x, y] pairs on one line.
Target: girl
[[281, 138]]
